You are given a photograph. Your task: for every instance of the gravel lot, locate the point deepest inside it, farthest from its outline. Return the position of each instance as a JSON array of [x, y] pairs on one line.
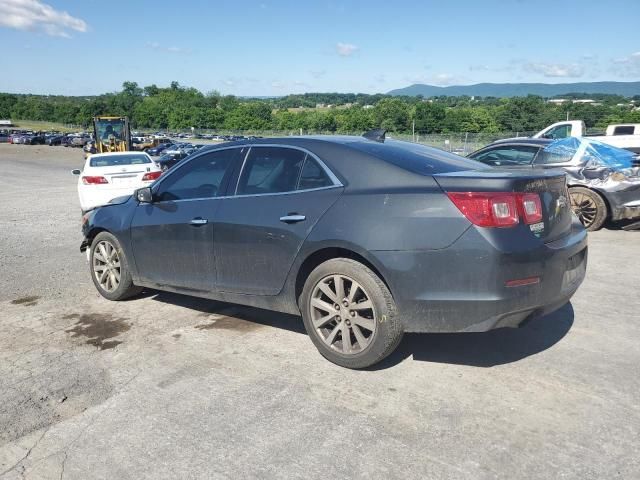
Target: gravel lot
[[166, 386]]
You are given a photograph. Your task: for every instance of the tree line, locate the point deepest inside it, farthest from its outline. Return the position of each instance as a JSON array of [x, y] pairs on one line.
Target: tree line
[[179, 108]]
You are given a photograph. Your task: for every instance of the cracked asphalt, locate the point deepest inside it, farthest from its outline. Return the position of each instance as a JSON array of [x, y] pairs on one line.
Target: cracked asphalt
[[167, 386]]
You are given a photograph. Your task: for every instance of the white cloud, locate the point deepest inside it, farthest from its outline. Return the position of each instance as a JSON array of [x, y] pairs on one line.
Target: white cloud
[[171, 49], [346, 49], [35, 16], [443, 79], [628, 67], [555, 69], [278, 85]]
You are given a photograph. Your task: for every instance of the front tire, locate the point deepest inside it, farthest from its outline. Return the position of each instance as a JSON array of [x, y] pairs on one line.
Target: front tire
[[350, 314], [109, 268], [589, 207]]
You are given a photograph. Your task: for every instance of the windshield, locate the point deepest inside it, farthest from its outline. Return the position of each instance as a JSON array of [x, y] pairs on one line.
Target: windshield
[[591, 152], [110, 128], [114, 160]]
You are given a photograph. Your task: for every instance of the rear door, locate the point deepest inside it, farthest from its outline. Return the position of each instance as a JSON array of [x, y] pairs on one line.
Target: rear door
[[172, 237], [280, 194]]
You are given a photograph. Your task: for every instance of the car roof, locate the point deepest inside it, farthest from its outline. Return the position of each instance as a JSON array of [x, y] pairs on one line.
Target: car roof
[[360, 162], [542, 142]]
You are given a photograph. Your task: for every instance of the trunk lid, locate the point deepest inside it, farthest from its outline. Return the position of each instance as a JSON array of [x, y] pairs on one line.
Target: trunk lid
[[550, 185], [126, 175]]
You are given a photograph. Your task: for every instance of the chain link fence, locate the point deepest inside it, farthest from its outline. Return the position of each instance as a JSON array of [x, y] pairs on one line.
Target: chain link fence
[[460, 143]]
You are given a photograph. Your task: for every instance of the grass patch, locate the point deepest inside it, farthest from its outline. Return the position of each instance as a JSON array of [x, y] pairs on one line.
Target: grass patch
[[44, 126]]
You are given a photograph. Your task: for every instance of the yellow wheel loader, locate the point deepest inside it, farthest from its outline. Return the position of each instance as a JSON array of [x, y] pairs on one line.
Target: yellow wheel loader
[[111, 134]]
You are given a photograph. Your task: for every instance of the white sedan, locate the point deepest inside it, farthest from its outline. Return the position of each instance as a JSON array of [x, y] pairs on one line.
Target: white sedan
[[106, 176]]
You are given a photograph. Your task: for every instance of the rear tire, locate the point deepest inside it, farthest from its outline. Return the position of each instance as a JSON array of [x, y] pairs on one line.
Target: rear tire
[[589, 206], [109, 268], [349, 314]]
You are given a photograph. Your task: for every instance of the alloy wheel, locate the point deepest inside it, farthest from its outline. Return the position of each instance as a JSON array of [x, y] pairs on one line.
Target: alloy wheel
[[106, 266], [343, 314], [584, 207]]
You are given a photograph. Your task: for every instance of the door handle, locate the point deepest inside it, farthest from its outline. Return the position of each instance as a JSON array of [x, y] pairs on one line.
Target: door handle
[[199, 221], [293, 218]]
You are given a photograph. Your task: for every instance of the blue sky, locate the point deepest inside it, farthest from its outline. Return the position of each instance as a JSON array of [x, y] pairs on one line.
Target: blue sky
[[276, 47]]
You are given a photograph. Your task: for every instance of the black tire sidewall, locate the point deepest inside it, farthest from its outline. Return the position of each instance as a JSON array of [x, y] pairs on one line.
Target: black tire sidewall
[[387, 334]]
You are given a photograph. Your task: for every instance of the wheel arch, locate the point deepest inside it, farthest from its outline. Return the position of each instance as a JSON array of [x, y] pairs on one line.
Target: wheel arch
[[90, 235], [321, 255], [602, 194]]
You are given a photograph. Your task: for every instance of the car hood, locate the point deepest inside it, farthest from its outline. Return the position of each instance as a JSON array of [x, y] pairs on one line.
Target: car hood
[[119, 200]]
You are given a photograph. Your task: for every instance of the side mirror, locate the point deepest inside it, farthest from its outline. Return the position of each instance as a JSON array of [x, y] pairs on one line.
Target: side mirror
[[76, 171], [144, 195]]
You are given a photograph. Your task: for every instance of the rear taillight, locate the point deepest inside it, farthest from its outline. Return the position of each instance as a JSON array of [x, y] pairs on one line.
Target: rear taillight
[[487, 209], [531, 207], [96, 180], [498, 209], [148, 177]]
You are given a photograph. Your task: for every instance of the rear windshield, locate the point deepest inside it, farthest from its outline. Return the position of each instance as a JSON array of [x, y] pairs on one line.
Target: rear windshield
[[418, 158], [114, 160]]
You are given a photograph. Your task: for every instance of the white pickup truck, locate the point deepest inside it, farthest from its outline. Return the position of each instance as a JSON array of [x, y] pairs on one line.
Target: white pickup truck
[[624, 135]]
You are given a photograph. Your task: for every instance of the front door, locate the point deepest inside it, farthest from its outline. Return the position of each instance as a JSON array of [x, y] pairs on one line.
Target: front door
[[281, 194], [172, 238]]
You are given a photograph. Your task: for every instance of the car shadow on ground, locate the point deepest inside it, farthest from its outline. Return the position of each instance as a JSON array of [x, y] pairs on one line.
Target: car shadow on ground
[[259, 316], [486, 349]]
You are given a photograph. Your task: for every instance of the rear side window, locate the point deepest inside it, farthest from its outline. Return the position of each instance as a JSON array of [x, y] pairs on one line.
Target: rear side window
[[115, 160], [270, 170], [624, 130], [313, 176], [507, 156], [202, 177]]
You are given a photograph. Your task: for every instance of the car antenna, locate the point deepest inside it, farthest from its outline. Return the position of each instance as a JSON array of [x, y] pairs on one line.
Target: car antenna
[[377, 135]]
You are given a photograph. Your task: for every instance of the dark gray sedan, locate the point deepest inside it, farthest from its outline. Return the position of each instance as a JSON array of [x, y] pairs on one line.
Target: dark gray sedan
[[365, 238]]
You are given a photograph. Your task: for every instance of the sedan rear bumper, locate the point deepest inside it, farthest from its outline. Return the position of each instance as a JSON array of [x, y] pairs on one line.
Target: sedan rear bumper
[[463, 288]]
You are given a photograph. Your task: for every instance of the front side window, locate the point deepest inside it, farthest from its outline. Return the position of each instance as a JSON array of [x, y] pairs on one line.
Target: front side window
[[505, 156], [271, 170], [201, 177]]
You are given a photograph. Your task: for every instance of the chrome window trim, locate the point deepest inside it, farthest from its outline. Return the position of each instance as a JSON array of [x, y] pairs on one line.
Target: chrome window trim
[[336, 182], [229, 197], [332, 177]]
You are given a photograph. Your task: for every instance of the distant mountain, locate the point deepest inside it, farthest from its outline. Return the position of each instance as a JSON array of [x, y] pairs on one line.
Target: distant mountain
[[626, 89]]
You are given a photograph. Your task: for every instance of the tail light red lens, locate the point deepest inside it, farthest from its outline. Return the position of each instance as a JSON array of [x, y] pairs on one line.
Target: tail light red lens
[[96, 180], [531, 208], [487, 209], [148, 177], [498, 209]]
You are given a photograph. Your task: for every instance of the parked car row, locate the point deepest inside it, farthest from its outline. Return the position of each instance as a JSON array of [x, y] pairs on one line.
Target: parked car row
[[27, 137]]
